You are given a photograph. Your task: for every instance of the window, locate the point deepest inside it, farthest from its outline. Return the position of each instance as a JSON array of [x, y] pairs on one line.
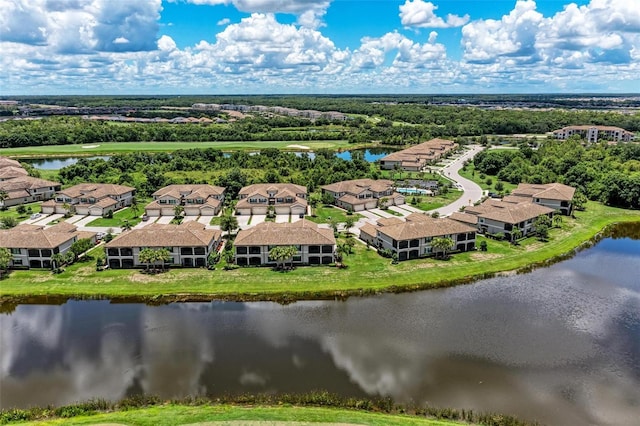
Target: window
[[17, 262], [186, 250], [34, 253], [254, 250], [113, 252], [241, 250], [327, 249], [403, 244], [199, 250], [15, 251], [314, 249], [126, 251]]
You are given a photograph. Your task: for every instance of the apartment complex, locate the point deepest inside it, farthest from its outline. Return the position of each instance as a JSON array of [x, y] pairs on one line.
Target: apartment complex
[[412, 238], [196, 200], [315, 245], [556, 196], [363, 194], [95, 199], [283, 198], [26, 189], [594, 133], [189, 244], [33, 246], [417, 157]]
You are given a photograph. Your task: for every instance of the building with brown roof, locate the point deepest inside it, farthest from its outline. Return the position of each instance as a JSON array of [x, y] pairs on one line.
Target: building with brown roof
[[283, 198], [189, 244], [363, 194], [26, 189], [594, 133], [556, 196], [411, 238], [315, 245], [95, 199], [33, 246], [197, 200], [502, 217], [417, 157]]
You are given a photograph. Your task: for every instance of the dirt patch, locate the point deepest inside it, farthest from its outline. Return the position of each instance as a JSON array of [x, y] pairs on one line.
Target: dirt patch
[[485, 256], [298, 146]]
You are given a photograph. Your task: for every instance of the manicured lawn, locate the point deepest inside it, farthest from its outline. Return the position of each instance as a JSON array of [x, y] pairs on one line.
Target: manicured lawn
[[118, 147], [119, 217], [366, 271], [430, 203], [180, 415], [12, 211], [323, 213]]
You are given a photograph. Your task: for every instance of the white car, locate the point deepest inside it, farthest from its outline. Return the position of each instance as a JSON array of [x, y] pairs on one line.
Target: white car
[[35, 216]]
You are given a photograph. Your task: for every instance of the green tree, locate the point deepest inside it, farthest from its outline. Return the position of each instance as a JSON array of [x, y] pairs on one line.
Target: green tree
[[213, 259], [177, 211], [333, 223], [80, 246], [57, 260], [542, 225], [557, 220], [163, 256], [126, 225], [483, 245], [281, 254], [228, 223], [314, 199], [348, 224], [8, 222], [146, 256], [442, 245], [579, 201], [21, 210], [516, 234], [5, 259], [3, 196], [135, 207]]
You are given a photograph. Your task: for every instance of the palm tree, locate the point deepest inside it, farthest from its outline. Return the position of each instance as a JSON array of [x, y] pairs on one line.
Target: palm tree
[[177, 211], [135, 208], [162, 255], [56, 261], [146, 256], [557, 220], [126, 226], [442, 245], [5, 259], [516, 234], [348, 224], [228, 223], [334, 225]]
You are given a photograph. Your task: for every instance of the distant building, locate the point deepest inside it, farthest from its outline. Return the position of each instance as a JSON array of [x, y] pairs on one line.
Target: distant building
[[556, 196], [26, 189], [95, 199], [411, 238], [315, 245], [284, 198], [594, 133], [417, 157], [197, 200], [363, 194]]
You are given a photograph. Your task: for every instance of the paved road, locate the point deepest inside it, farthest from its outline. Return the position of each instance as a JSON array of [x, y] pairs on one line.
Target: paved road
[[472, 191]]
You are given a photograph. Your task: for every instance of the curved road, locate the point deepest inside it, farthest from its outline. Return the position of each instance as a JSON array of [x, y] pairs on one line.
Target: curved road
[[472, 191]]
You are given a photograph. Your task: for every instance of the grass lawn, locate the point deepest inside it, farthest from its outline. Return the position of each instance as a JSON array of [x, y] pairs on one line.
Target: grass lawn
[[430, 203], [13, 212], [119, 217], [325, 212], [474, 176], [119, 147], [171, 414], [366, 271]]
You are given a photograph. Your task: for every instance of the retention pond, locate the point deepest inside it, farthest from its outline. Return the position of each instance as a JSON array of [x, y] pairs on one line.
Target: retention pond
[[560, 345]]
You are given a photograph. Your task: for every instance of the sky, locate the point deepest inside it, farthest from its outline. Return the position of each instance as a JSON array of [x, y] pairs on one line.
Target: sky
[[58, 47]]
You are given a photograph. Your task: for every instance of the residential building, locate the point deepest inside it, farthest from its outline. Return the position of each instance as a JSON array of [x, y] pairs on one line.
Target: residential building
[[594, 133], [556, 196], [283, 198], [494, 217], [197, 200], [417, 157], [412, 238], [315, 245], [94, 199], [189, 244], [363, 194], [26, 189], [33, 246]]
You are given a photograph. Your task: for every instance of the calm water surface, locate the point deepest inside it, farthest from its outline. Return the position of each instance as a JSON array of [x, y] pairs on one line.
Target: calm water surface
[[560, 345], [58, 163]]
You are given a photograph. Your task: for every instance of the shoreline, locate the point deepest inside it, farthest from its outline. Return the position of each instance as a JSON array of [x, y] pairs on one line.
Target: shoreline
[[10, 300]]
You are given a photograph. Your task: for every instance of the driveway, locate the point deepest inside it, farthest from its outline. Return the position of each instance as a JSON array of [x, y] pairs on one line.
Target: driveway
[[257, 219], [205, 220], [41, 221], [369, 216], [282, 218], [164, 219], [85, 220], [243, 221], [75, 218], [471, 191], [381, 213], [402, 211]]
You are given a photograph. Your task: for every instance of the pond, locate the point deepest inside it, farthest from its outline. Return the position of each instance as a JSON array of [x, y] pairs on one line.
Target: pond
[[58, 162], [560, 345], [370, 155]]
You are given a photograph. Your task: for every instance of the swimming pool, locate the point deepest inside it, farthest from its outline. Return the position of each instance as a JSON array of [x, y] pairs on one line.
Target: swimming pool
[[413, 191]]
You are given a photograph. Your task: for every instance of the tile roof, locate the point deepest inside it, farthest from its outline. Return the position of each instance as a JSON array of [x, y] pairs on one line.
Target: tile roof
[[96, 190], [357, 186], [302, 232], [202, 190], [421, 226], [5, 162], [262, 188], [9, 172], [464, 218], [26, 182], [187, 234], [425, 151], [508, 212], [550, 191], [38, 237]]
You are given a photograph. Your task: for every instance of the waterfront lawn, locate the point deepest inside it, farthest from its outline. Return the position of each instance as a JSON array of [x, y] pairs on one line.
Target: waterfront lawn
[[119, 217], [323, 213], [366, 271], [172, 414]]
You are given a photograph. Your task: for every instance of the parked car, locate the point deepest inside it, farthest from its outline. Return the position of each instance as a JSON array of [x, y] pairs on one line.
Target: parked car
[[145, 218], [35, 215]]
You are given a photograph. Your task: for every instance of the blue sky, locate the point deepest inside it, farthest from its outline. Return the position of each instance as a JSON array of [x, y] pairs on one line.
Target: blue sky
[[318, 46]]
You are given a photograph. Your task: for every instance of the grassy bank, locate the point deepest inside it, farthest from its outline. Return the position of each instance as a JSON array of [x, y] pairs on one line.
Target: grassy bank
[[366, 273], [121, 147], [309, 408]]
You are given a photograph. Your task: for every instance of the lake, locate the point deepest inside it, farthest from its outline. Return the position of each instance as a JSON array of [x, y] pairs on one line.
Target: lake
[[560, 345], [56, 163]]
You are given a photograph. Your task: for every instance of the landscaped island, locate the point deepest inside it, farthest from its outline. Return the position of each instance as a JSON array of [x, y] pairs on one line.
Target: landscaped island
[[367, 272]]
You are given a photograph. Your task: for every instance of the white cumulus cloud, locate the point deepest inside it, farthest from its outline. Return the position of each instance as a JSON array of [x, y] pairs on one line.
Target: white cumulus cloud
[[422, 14]]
